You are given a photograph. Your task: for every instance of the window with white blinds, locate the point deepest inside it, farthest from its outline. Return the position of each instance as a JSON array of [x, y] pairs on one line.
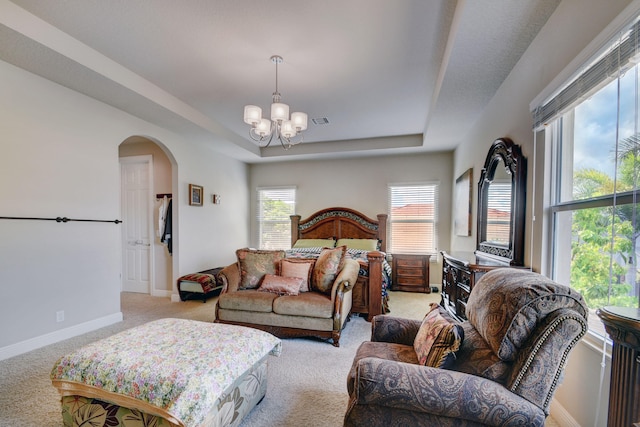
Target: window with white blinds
[[413, 218], [275, 206]]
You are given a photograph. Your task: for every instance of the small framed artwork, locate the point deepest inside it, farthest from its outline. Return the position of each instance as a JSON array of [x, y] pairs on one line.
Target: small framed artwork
[[462, 205], [195, 195]]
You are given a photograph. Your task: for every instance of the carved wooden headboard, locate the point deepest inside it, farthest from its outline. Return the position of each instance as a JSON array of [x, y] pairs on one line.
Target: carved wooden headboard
[[339, 223]]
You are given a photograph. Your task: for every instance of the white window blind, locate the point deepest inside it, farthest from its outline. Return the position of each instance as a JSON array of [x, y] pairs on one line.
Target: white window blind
[[413, 218], [615, 59], [275, 206]]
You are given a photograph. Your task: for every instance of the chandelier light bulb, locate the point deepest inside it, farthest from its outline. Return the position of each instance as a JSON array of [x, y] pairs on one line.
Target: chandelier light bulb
[[263, 128], [299, 121], [252, 114], [288, 131], [279, 111]]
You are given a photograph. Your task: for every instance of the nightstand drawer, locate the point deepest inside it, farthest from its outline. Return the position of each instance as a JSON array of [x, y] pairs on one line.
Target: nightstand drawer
[[411, 280], [410, 273]]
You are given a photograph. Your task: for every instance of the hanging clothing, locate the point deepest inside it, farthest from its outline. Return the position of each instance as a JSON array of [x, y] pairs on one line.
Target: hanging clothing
[[162, 216], [166, 235]]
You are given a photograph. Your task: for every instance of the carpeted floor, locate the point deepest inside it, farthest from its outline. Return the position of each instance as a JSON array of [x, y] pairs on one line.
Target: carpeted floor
[[306, 384]]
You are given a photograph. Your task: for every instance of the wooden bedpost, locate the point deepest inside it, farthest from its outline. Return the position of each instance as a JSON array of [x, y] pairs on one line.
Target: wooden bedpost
[[382, 231], [375, 283], [295, 221]]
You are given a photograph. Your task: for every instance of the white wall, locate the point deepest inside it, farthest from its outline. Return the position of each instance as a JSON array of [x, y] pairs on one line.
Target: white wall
[[359, 184], [59, 157], [569, 30]]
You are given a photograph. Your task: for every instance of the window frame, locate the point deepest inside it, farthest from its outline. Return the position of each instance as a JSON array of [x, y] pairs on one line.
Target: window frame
[[279, 244], [395, 247]]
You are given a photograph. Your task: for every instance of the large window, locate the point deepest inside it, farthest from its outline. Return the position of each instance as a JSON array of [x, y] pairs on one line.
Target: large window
[[594, 131], [275, 206], [413, 218]]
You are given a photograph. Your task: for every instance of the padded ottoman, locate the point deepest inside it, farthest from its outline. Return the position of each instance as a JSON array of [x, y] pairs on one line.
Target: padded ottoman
[[200, 284], [170, 372]]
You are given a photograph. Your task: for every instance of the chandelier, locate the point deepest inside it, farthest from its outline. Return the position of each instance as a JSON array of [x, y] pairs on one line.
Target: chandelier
[[280, 127]]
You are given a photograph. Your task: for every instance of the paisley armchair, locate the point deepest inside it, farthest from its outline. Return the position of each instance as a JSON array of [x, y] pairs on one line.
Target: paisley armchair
[[521, 327]]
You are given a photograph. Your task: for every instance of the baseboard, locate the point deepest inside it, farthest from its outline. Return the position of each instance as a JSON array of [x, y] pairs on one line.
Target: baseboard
[[561, 416], [56, 336], [175, 298]]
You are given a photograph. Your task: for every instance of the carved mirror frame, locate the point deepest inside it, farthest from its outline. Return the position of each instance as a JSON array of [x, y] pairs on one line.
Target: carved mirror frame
[[504, 153]]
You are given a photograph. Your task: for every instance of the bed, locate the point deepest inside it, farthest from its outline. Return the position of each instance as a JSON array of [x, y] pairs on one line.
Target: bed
[[370, 292]]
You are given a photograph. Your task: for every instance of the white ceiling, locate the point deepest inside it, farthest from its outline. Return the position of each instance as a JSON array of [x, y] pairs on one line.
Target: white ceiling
[[390, 75]]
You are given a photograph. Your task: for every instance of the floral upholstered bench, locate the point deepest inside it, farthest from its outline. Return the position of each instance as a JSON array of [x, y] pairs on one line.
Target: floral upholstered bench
[[170, 372]]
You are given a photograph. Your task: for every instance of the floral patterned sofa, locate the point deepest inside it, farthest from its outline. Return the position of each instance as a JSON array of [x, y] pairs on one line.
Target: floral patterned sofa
[[289, 297], [498, 368]]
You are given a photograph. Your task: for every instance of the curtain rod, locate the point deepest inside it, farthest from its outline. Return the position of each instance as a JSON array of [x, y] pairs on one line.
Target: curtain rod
[[62, 219]]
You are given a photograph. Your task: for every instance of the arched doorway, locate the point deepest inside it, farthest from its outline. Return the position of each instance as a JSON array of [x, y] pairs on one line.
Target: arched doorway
[[146, 258]]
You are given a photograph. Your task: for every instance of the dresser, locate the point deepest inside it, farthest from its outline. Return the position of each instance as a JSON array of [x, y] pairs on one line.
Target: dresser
[[460, 272], [410, 273]]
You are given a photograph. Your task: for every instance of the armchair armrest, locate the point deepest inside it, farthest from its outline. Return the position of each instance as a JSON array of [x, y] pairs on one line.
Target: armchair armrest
[[230, 276], [438, 392], [398, 330]]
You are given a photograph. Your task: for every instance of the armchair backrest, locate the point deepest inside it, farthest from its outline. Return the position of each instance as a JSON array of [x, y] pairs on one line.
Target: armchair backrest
[[532, 323]]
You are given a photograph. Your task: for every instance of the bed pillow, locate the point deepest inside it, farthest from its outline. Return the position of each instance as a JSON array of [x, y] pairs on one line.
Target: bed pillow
[[361, 244], [437, 340], [302, 268], [281, 285], [327, 267], [254, 264], [314, 243]]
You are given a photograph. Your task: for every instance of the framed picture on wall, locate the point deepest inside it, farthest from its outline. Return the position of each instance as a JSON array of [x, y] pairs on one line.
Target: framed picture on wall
[[462, 205], [195, 195]]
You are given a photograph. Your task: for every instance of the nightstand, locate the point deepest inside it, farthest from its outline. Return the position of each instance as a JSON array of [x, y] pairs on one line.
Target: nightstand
[[410, 273]]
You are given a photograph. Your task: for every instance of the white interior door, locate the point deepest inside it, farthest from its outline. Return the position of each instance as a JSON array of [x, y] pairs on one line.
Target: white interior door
[[135, 175]]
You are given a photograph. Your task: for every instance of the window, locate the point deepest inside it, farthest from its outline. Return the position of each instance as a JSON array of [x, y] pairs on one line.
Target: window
[[413, 218], [275, 206], [594, 131]]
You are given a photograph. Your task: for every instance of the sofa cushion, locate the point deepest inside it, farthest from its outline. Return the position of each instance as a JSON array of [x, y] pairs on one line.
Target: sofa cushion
[[306, 304], [326, 270], [437, 340], [281, 285], [294, 267], [254, 264], [248, 300], [506, 304]]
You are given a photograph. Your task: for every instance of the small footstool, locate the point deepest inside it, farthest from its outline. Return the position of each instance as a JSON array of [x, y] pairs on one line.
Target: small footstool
[[201, 284], [170, 372]]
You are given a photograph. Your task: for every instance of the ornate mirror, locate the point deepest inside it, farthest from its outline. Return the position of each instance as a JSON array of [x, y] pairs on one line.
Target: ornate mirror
[[501, 203]]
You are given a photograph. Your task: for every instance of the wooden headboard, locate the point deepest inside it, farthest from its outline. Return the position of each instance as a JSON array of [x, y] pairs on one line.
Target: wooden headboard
[[339, 223]]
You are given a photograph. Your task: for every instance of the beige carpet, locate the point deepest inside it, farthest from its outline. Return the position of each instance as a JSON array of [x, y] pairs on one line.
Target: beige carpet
[[306, 385]]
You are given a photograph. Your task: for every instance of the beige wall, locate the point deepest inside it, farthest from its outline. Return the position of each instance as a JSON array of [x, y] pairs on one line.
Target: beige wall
[[64, 162], [570, 29], [359, 184]]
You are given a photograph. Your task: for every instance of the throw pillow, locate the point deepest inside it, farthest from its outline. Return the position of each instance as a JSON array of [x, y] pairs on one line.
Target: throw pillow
[[314, 243], [281, 285], [437, 340], [327, 267], [254, 264], [360, 244], [293, 267]]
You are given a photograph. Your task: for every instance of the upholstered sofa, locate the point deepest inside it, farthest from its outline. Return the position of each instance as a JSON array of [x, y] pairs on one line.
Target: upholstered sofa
[[499, 368], [288, 297]]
